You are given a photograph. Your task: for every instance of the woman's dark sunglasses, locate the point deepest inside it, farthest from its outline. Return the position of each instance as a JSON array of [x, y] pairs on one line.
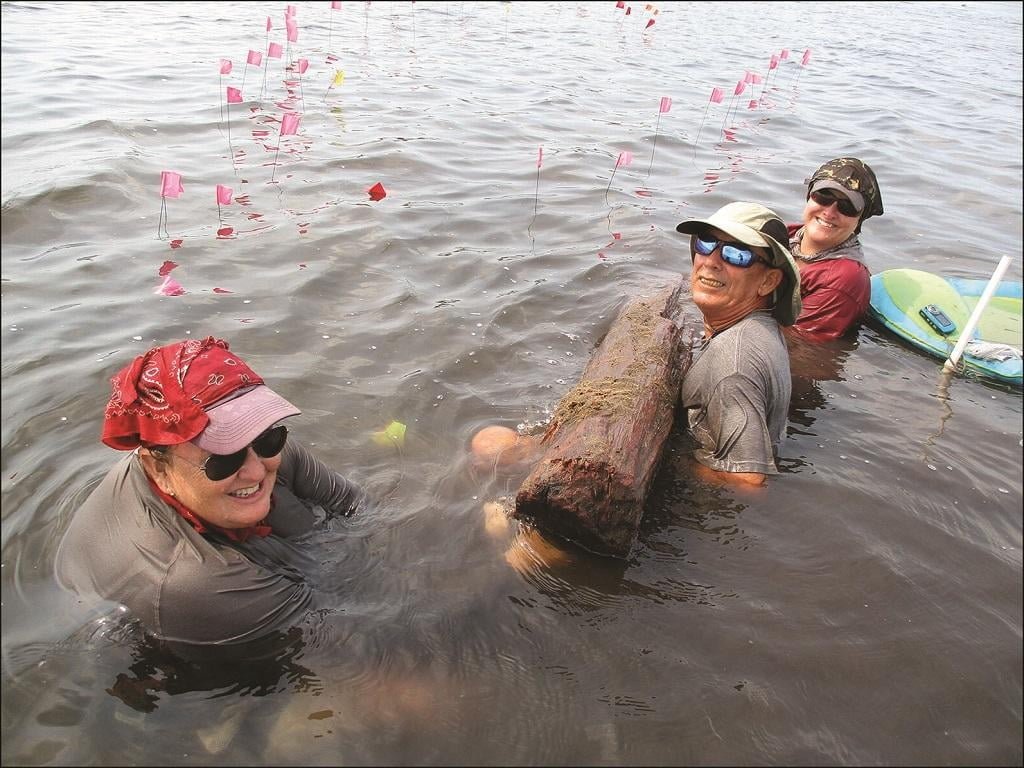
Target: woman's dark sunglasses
[[732, 253], [267, 444], [824, 199]]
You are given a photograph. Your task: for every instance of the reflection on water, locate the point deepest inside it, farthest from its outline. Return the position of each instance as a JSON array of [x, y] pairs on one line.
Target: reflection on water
[[158, 669], [812, 365]]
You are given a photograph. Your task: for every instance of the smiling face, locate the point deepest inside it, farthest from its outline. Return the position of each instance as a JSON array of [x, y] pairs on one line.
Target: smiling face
[[238, 501], [824, 227], [725, 293]]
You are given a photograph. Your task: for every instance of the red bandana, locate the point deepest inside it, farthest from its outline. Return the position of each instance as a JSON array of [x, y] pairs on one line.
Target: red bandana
[[159, 398], [201, 526]]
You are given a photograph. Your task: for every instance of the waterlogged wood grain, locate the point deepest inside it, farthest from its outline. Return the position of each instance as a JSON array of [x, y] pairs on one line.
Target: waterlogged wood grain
[[605, 441]]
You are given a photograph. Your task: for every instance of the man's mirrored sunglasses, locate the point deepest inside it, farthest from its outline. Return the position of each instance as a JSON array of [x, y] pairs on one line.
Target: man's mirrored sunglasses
[[737, 254]]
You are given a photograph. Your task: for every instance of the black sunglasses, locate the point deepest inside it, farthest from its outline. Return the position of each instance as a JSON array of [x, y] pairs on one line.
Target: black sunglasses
[[267, 444], [825, 199]]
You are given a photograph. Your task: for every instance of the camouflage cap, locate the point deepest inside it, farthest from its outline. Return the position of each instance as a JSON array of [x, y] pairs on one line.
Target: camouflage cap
[[856, 176]]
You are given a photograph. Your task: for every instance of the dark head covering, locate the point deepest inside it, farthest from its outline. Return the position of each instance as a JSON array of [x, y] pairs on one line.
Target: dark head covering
[[849, 173]]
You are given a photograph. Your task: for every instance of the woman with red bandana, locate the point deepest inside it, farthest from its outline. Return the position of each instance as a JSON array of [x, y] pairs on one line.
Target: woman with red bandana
[[192, 531], [835, 285]]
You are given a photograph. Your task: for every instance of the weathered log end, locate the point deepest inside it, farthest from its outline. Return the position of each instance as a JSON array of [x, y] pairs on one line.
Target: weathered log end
[[607, 435]]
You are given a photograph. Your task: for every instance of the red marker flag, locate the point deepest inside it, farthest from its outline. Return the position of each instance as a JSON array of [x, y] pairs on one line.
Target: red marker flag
[[803, 63], [270, 24], [303, 65], [292, 29], [741, 86], [225, 66], [663, 106], [234, 95], [717, 94], [752, 104], [784, 54], [650, 23], [620, 4], [289, 11], [377, 192], [274, 51], [170, 184], [774, 62], [335, 6], [169, 287], [624, 158], [224, 195], [254, 58], [755, 79], [536, 192], [629, 10], [289, 123]]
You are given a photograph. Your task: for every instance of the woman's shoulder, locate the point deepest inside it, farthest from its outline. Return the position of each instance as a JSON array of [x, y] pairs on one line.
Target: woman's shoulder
[[121, 523]]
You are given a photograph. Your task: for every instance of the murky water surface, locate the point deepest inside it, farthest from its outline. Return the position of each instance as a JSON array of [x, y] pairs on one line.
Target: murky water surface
[[866, 609]]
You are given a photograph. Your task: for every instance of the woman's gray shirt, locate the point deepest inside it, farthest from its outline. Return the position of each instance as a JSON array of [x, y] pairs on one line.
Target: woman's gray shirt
[[127, 545]]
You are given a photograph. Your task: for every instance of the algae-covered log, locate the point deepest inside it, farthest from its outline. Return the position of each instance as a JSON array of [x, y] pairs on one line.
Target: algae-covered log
[[606, 437]]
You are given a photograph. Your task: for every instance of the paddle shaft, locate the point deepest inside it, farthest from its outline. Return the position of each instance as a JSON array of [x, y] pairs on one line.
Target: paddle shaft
[[972, 321]]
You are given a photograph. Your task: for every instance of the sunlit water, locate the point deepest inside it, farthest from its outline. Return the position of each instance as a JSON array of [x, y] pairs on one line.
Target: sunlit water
[[866, 609]]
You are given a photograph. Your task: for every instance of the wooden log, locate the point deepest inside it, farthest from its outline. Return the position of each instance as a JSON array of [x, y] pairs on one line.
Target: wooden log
[[605, 440]]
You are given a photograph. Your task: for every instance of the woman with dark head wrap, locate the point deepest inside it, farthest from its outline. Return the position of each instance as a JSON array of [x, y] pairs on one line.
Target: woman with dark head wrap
[[835, 285], [192, 530]]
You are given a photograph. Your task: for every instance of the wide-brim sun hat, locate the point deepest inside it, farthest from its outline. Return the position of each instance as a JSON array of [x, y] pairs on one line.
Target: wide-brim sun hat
[[754, 224]]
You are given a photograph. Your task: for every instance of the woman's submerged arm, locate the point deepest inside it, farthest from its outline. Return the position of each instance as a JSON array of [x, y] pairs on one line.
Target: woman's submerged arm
[[312, 480]]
